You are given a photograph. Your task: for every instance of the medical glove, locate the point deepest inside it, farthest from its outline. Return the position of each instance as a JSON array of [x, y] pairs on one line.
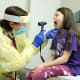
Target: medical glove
[[39, 39], [52, 33]]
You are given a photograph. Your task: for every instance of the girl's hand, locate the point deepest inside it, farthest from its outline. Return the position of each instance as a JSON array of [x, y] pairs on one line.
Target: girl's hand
[[39, 67]]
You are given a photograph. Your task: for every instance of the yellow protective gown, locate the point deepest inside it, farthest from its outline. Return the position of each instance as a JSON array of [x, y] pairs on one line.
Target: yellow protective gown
[[12, 59]]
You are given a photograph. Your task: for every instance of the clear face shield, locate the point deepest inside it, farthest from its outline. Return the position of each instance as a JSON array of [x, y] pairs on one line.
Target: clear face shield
[[18, 19]]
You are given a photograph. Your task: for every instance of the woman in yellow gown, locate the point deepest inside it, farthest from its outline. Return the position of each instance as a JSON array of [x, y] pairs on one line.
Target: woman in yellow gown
[[15, 49]]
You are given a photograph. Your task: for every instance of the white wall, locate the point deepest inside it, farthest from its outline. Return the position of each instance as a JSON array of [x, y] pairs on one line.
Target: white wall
[[72, 4], [5, 3], [42, 10]]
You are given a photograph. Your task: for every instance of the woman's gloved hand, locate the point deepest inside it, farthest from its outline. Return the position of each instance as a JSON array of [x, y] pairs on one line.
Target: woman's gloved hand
[[39, 39], [52, 33]]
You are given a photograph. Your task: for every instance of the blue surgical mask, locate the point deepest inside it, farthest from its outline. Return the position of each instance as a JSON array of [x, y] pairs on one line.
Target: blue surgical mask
[[21, 30]]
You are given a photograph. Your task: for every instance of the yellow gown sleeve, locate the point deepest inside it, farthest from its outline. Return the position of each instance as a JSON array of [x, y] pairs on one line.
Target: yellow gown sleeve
[[12, 59]]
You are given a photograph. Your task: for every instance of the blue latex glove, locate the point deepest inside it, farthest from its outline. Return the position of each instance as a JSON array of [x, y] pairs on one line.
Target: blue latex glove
[[52, 33], [39, 39]]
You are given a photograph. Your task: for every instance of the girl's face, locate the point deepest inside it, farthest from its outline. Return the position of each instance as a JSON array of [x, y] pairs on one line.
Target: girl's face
[[58, 20]]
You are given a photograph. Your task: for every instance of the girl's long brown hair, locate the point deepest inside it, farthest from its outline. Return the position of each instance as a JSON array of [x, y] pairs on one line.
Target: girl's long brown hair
[[70, 25]]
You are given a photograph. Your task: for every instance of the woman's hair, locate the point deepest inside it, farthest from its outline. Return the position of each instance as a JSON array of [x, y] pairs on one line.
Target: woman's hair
[[12, 10], [70, 25]]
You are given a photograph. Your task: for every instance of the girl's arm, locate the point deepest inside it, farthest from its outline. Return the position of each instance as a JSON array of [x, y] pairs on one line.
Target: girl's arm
[[61, 60]]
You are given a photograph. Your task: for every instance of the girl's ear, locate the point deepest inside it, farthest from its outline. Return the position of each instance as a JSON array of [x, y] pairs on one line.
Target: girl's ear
[[12, 24]]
